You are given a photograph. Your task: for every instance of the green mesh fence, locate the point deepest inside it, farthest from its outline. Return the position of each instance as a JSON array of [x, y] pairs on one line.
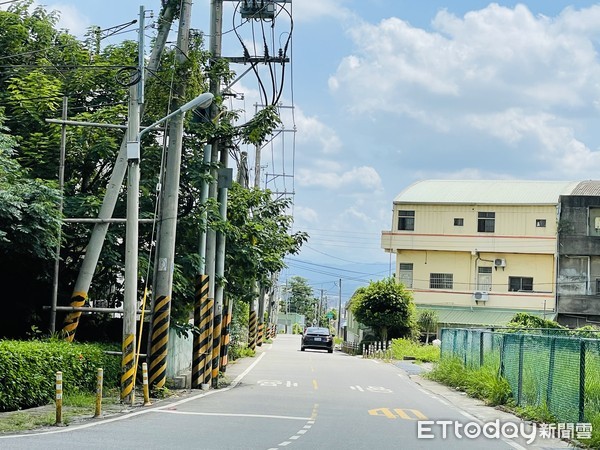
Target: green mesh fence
[[544, 368]]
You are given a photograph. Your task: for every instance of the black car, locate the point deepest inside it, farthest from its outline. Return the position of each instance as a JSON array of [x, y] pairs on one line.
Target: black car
[[317, 337]]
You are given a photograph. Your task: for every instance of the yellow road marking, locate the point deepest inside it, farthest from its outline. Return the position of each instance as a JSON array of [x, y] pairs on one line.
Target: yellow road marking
[[382, 412], [400, 413], [403, 414], [315, 385]]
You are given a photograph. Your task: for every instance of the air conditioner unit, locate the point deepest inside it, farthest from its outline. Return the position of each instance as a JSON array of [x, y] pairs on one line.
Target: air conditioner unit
[[500, 262], [480, 296]]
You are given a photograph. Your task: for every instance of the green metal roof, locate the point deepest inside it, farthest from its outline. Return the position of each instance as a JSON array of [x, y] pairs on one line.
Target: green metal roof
[[480, 316]]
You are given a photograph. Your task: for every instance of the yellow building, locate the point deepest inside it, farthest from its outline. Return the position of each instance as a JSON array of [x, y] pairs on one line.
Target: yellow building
[[478, 251]]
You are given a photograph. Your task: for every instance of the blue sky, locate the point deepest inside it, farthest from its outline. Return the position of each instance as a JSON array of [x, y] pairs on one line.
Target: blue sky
[[388, 92]]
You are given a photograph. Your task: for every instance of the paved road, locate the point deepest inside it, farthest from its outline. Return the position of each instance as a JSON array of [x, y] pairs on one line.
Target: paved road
[[287, 399]]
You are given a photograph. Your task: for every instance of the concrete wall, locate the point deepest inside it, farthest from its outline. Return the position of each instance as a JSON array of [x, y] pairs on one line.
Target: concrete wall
[[579, 256], [437, 245], [179, 354]]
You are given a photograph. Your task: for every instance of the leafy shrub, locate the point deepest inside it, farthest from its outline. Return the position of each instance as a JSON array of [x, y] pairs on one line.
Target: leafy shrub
[[238, 351], [28, 374], [526, 320], [421, 352], [484, 383]]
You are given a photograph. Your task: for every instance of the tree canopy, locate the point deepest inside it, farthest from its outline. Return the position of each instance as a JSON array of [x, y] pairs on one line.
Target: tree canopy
[[43, 65], [300, 298], [387, 307]]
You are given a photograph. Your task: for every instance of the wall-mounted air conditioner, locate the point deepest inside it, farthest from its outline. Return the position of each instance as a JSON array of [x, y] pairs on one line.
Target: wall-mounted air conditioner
[[500, 262], [480, 296]]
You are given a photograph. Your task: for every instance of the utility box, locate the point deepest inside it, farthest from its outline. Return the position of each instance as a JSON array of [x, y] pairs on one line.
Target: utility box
[[257, 9]]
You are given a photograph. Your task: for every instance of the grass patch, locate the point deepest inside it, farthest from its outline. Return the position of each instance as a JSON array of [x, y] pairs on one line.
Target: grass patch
[[402, 348], [75, 406], [484, 383]]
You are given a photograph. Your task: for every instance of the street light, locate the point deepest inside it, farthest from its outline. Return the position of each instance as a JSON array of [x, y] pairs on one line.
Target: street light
[[132, 223], [202, 101]]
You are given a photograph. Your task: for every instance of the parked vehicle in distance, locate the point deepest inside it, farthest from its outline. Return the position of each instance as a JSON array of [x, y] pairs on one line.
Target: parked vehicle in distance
[[317, 338]]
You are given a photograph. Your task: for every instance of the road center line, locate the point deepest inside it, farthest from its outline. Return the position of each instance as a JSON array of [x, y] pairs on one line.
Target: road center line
[[259, 416]]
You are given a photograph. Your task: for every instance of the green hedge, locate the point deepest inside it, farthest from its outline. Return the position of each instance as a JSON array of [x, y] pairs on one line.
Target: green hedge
[[28, 370]]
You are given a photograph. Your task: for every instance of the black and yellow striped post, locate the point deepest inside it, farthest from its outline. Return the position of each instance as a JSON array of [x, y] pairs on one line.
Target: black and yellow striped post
[[159, 341], [202, 319], [225, 336], [72, 320], [252, 330], [259, 337], [216, 349], [128, 369]]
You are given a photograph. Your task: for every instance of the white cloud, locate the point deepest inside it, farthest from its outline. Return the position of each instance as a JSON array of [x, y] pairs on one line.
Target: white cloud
[[528, 82], [358, 177], [306, 215], [312, 131]]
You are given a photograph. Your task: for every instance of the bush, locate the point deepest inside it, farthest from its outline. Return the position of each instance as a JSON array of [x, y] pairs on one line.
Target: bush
[[29, 370], [484, 383], [421, 352]]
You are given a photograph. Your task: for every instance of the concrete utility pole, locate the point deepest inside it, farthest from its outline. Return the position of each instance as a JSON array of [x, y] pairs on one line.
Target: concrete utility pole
[[216, 26], [131, 253], [61, 187], [339, 331], [163, 285], [94, 247]]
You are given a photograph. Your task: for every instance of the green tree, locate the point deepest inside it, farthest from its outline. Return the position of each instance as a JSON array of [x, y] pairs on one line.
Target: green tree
[[427, 322], [41, 64], [29, 223], [300, 297], [385, 305]]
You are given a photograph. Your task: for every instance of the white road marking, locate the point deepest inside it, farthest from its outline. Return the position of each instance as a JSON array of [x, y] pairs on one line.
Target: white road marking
[[284, 444], [260, 416], [144, 411], [302, 431]]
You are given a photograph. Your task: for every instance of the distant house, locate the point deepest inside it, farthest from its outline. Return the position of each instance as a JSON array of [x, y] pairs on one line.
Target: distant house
[[478, 251]]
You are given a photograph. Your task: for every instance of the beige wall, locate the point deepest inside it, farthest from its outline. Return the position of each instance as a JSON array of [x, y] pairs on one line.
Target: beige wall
[[515, 230], [463, 266], [437, 246]]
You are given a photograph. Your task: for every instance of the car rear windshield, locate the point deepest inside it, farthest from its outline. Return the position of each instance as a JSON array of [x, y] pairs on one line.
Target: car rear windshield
[[313, 330]]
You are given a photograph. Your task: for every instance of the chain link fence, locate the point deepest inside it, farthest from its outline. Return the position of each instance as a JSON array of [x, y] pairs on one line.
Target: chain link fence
[[543, 368]]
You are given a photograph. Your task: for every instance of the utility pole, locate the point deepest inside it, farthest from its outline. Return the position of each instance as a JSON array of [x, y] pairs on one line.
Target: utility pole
[[94, 247], [136, 96], [340, 309], [216, 25], [163, 286], [61, 187]]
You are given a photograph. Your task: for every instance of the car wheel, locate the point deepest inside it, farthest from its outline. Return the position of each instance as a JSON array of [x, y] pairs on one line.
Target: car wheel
[[330, 350], [301, 349]]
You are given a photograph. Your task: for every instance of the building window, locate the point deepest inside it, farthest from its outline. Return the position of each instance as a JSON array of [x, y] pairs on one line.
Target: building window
[[459, 221], [518, 284], [440, 280], [540, 223], [406, 220], [405, 274], [486, 222], [484, 279]]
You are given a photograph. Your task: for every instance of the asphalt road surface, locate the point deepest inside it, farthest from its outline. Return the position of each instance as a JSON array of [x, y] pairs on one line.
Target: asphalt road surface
[[288, 399]]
